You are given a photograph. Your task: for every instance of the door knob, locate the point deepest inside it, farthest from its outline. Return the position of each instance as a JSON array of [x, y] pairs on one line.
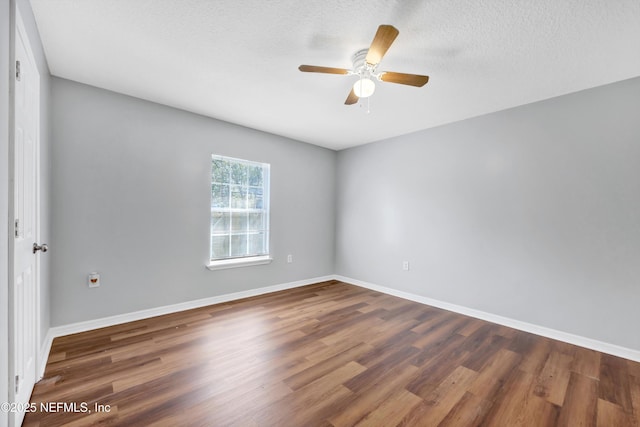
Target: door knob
[[43, 247]]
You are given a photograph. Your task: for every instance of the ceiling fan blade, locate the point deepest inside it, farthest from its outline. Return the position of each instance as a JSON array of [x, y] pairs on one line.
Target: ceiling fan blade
[[352, 98], [404, 79], [327, 70], [383, 39]]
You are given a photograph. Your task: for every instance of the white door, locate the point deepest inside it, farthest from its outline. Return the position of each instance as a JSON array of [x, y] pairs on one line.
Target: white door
[[25, 273]]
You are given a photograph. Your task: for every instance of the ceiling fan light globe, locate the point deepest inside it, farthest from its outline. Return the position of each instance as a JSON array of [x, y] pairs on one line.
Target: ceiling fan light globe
[[364, 88]]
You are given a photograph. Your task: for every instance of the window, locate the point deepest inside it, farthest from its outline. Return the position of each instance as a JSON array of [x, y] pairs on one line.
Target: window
[[239, 212]]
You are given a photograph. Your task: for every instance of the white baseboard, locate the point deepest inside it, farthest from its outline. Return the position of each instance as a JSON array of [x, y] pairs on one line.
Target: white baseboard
[[43, 354], [74, 328], [578, 340]]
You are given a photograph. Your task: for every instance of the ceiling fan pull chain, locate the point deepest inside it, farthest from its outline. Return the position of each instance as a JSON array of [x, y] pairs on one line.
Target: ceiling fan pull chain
[[361, 103]]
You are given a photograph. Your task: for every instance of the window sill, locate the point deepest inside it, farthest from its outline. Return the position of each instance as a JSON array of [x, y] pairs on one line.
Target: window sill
[[239, 262]]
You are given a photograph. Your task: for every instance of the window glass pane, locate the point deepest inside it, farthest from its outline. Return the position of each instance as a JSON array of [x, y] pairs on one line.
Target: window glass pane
[[219, 195], [219, 246], [219, 222], [254, 201], [238, 245], [220, 171], [239, 221], [256, 222], [255, 176], [257, 244], [239, 173], [238, 197]]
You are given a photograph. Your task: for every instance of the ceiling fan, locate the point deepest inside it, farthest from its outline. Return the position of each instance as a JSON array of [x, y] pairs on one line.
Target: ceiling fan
[[365, 63]]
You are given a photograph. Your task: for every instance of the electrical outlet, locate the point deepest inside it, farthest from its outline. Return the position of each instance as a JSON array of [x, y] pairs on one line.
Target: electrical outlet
[[289, 258], [93, 281], [405, 265]]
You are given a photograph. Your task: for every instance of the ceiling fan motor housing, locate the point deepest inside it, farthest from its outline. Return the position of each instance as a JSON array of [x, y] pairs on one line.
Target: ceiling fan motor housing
[[360, 65]]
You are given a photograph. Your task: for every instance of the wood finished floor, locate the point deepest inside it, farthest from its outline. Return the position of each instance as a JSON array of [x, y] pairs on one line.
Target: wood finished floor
[[331, 354]]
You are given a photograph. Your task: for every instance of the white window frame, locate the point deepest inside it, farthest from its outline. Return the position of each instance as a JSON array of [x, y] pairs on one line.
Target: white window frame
[[245, 260]]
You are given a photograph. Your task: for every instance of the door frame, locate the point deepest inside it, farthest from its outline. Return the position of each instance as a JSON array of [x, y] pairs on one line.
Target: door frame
[[18, 30]]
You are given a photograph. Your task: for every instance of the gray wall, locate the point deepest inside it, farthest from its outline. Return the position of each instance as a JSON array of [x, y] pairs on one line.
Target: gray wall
[[132, 193], [532, 213]]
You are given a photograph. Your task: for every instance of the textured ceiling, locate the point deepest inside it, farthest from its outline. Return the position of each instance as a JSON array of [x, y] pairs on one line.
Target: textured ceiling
[[237, 60]]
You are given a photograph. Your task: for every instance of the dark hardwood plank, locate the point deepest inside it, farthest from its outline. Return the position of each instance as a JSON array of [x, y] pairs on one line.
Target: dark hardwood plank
[[614, 381], [552, 382], [634, 385], [519, 406], [610, 414], [392, 410], [580, 403], [587, 362], [492, 378], [469, 411], [370, 391], [330, 354]]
